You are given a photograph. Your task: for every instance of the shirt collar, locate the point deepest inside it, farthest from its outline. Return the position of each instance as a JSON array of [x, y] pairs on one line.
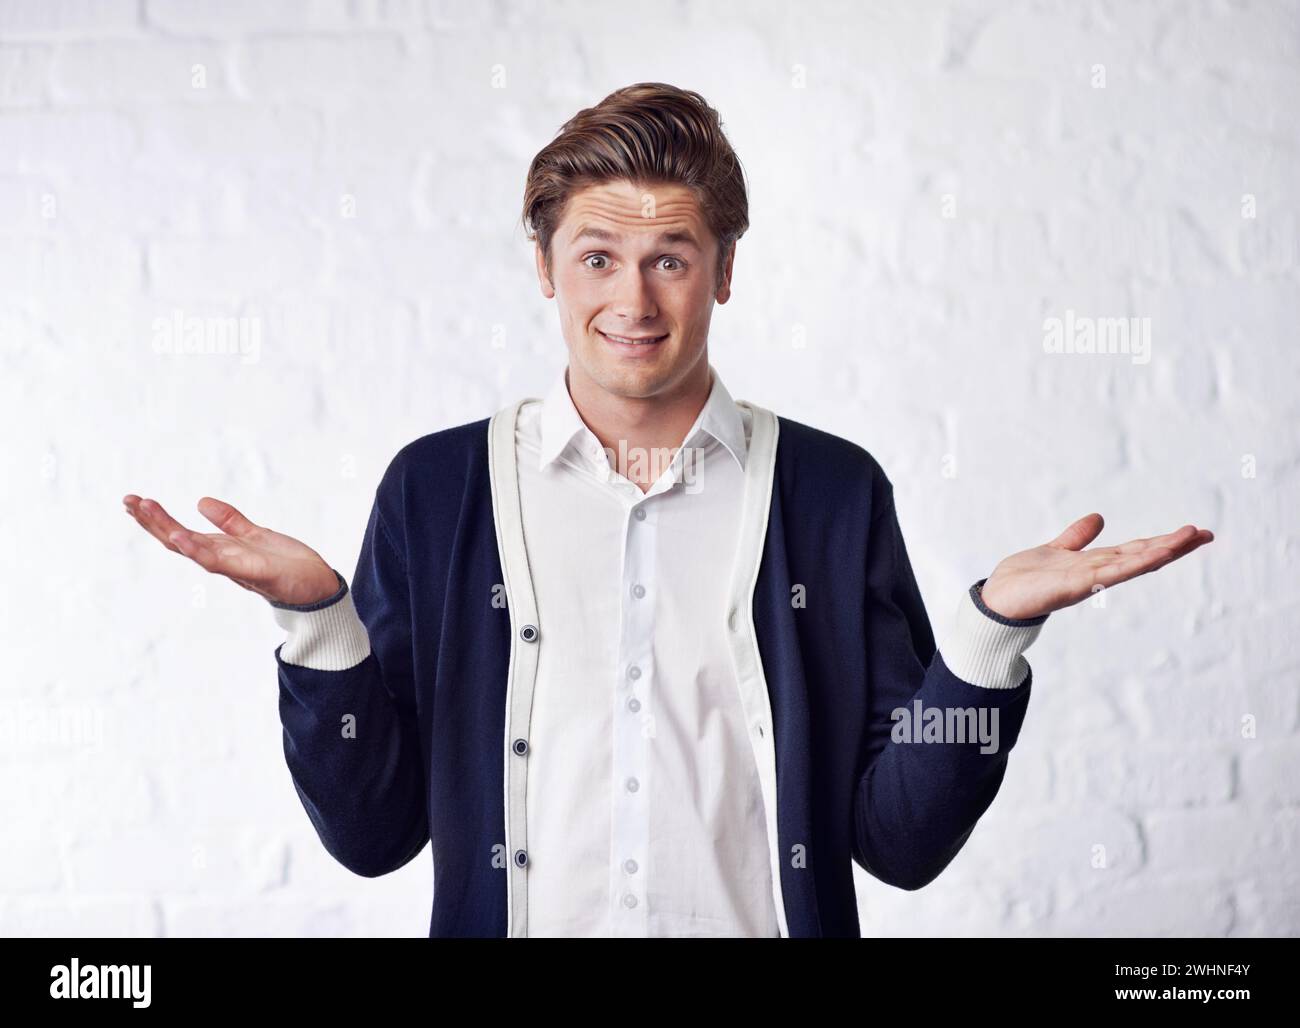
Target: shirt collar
[[560, 421]]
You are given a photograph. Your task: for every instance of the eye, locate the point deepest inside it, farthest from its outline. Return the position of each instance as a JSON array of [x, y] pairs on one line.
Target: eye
[[595, 256], [677, 261]]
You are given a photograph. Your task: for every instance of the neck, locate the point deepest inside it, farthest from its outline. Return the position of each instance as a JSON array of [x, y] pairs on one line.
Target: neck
[[641, 433]]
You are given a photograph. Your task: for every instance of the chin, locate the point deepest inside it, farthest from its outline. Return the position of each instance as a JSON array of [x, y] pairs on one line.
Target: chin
[[633, 383]]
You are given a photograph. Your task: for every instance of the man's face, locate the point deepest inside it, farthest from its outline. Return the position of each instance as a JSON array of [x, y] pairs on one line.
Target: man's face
[[634, 263]]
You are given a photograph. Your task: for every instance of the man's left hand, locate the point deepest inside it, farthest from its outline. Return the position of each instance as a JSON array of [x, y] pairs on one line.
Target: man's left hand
[[1059, 574]]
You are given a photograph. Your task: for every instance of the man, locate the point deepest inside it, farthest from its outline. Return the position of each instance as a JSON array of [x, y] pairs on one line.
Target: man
[[633, 655]]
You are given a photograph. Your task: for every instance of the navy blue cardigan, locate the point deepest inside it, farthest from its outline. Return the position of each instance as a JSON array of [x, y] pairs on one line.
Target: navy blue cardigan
[[430, 700]]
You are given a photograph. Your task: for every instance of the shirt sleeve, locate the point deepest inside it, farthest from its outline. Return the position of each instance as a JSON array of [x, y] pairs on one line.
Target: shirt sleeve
[[917, 796], [347, 706]]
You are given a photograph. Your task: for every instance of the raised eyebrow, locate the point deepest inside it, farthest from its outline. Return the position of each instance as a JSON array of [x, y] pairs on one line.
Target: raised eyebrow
[[664, 238]]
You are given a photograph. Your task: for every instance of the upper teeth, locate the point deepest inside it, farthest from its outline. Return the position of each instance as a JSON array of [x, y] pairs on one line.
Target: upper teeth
[[634, 342]]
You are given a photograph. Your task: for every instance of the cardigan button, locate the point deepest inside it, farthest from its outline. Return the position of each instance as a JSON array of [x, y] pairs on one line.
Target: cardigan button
[[521, 858], [521, 746], [731, 619], [528, 633]]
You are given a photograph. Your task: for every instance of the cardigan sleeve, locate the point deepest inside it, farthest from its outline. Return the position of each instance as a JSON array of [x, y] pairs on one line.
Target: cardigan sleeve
[[984, 647], [347, 707], [936, 745]]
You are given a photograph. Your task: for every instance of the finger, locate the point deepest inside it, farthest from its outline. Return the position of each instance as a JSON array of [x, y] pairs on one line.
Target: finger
[[159, 516], [226, 517], [200, 549], [1122, 568], [1103, 554], [1175, 538], [1199, 539], [145, 514], [1081, 533]]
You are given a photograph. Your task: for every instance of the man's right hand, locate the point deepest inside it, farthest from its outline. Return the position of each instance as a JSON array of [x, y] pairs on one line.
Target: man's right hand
[[275, 566]]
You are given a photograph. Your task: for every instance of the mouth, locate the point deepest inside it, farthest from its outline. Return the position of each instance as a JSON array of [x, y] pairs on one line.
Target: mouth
[[634, 346]]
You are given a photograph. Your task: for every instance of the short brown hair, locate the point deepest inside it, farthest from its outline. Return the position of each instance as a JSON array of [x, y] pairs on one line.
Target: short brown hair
[[647, 133]]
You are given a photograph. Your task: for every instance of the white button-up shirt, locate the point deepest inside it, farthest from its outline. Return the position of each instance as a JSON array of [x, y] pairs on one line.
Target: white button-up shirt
[[644, 807]]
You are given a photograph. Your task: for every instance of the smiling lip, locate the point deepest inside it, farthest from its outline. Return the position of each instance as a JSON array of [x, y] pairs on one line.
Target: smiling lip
[[646, 343]]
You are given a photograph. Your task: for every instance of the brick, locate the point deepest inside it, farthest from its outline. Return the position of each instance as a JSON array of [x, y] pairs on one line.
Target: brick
[[1268, 777], [1173, 905], [141, 71], [1141, 775], [65, 141], [82, 917], [312, 67], [20, 18], [1232, 841], [236, 17], [23, 74], [197, 139], [233, 267], [1267, 905]]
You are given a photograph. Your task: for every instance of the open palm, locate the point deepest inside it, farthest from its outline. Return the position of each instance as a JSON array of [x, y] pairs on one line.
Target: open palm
[[1059, 574], [277, 567]]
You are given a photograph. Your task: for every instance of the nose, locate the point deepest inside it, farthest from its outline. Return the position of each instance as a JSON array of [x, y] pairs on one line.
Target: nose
[[633, 298]]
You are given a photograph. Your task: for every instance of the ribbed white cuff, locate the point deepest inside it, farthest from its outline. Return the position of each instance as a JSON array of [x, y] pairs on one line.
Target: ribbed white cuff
[[333, 638], [984, 648]]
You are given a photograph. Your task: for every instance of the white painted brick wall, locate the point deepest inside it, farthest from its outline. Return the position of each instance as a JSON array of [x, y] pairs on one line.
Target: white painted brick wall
[[178, 155]]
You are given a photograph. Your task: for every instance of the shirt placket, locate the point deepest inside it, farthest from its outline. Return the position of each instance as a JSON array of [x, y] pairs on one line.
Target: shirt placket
[[634, 699]]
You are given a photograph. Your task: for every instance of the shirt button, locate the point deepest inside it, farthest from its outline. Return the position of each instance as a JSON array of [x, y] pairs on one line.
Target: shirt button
[[731, 619], [638, 590], [629, 900], [639, 514], [633, 785], [633, 704], [521, 858], [630, 866], [528, 633], [521, 746], [634, 672]]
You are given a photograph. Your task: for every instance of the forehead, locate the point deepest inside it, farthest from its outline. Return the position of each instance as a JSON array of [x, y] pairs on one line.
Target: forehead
[[617, 209]]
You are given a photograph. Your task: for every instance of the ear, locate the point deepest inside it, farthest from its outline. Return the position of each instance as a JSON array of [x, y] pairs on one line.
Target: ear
[[724, 291], [548, 290]]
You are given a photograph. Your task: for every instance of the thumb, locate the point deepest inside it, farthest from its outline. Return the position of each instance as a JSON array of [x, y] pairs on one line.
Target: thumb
[[1080, 534], [225, 517]]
